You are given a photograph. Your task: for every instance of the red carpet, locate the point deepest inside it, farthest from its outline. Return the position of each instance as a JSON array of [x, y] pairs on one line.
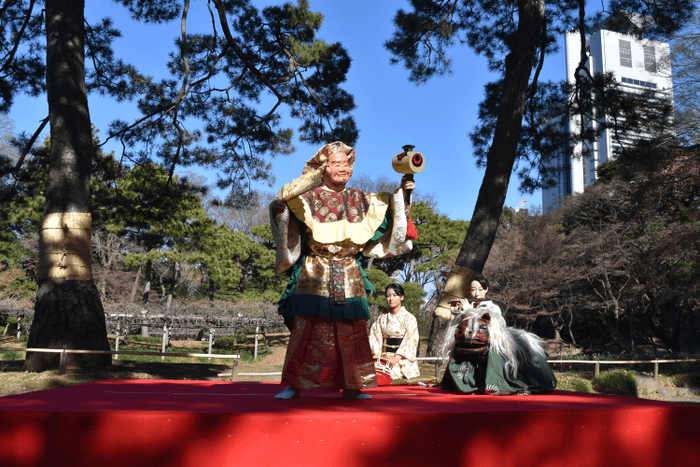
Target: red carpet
[[131, 423]]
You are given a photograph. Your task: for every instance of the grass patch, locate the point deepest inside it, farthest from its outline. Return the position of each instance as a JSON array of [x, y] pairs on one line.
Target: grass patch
[[21, 382], [619, 381], [146, 339], [574, 382], [158, 358], [11, 355], [148, 345]]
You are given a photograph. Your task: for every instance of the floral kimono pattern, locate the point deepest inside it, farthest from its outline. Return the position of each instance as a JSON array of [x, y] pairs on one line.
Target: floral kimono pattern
[[401, 325]]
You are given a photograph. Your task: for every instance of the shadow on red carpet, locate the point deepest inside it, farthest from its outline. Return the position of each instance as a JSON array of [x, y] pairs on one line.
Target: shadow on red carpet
[[136, 423]]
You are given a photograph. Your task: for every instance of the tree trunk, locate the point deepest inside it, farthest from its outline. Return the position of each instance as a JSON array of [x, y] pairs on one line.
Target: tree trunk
[[569, 325], [502, 154], [68, 311], [136, 284], [173, 283], [436, 336], [147, 287]]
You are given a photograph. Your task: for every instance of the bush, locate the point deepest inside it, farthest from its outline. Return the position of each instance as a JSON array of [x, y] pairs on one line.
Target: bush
[[582, 385], [573, 383], [11, 324], [11, 355], [620, 382], [225, 341], [686, 380], [146, 339], [230, 341]]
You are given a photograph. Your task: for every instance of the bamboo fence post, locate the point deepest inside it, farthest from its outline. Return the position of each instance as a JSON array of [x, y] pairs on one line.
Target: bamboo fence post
[[62, 362], [234, 369], [255, 352], [165, 340]]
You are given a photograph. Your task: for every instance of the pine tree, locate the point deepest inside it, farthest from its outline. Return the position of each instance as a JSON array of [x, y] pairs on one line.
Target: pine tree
[[515, 37], [208, 113]]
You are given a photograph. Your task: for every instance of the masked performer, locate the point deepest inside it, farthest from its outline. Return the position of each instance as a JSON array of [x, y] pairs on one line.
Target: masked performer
[[487, 357], [321, 229], [394, 336]]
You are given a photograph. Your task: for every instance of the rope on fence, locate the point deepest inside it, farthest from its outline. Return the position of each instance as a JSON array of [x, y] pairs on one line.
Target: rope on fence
[[64, 352], [236, 358]]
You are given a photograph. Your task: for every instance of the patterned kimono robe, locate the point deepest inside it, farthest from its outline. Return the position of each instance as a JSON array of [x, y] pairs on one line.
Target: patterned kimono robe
[[320, 241], [400, 325]]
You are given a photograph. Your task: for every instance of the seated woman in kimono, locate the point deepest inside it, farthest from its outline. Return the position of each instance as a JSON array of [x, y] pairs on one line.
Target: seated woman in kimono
[[394, 336]]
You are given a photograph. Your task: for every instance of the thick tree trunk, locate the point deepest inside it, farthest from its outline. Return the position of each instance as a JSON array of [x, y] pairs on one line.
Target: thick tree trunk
[[68, 310], [436, 336], [501, 157]]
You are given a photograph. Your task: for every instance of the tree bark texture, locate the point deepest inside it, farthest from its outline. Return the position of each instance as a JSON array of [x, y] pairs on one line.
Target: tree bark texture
[[68, 313], [501, 157]]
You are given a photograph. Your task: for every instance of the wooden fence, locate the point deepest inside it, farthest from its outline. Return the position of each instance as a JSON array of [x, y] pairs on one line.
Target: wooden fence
[[236, 358], [597, 363], [64, 352]]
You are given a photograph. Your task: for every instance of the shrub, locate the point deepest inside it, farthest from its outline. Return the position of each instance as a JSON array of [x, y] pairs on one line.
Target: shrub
[[225, 341], [573, 383], [686, 380], [581, 385], [616, 382], [146, 339], [11, 355]]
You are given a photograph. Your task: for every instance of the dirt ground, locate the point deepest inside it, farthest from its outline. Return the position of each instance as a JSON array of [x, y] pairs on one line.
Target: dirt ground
[[13, 380]]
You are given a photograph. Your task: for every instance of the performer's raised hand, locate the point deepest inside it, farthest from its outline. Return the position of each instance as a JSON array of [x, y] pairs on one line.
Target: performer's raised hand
[[457, 306], [277, 207]]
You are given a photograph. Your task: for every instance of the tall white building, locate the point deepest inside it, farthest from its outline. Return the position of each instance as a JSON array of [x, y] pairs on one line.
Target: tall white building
[[637, 65]]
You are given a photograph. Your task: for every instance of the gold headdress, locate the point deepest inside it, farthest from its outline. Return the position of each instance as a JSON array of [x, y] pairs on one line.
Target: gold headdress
[[312, 175]]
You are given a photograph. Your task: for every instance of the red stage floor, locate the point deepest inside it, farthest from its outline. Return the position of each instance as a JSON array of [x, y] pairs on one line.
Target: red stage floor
[[152, 423]]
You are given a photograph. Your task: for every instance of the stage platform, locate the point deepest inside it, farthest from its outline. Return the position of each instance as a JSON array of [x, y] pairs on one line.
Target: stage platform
[[154, 423]]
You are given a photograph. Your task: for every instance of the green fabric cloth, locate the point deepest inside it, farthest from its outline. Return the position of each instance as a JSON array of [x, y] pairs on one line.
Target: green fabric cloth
[[487, 374], [319, 306]]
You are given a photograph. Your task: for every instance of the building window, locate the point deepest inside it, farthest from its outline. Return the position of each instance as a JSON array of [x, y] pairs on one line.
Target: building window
[[625, 53], [649, 59], [638, 82]]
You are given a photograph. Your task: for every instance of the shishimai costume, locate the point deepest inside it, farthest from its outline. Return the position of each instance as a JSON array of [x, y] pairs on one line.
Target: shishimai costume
[[487, 357], [320, 239]]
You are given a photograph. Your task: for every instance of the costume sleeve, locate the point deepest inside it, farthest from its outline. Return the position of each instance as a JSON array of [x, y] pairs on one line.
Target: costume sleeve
[[393, 241], [409, 345], [375, 338], [287, 236]]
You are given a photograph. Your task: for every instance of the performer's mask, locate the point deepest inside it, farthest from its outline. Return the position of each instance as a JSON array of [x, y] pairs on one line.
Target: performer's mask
[[468, 342]]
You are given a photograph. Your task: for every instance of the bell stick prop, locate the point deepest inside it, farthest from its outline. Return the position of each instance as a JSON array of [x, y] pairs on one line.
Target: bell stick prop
[[409, 163]]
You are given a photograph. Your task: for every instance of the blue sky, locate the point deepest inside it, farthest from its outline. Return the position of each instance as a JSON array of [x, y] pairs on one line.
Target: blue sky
[[436, 117]]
